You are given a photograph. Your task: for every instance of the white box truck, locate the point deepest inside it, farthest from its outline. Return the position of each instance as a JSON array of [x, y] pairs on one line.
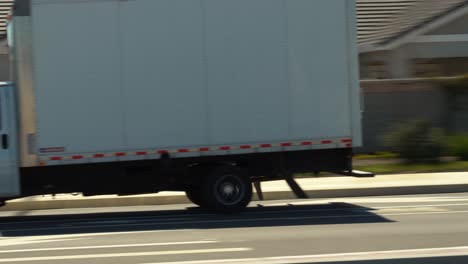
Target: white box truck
[[202, 96]]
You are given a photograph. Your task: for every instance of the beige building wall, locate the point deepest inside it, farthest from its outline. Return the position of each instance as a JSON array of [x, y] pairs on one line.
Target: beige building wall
[[459, 26]]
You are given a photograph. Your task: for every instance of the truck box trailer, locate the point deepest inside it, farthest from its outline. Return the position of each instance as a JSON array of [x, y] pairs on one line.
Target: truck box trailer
[[202, 96]]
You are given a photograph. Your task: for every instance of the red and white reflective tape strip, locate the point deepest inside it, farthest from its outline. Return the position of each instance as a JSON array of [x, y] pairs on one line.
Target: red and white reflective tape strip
[[346, 142]]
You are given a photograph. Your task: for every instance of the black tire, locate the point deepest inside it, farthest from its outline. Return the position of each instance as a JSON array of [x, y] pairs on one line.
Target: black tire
[[194, 195], [227, 189]]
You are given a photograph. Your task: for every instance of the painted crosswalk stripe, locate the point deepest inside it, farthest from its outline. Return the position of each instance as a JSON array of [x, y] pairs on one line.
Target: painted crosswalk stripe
[[339, 257]]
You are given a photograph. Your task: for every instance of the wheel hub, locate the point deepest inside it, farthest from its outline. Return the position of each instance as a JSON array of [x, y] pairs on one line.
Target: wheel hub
[[228, 189]]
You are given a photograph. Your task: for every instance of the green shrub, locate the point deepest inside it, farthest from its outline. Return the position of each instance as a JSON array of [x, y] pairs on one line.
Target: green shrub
[[459, 146], [457, 84], [416, 141]]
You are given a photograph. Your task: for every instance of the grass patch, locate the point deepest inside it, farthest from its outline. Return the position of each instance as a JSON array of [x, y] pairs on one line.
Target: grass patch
[[454, 166], [377, 155]]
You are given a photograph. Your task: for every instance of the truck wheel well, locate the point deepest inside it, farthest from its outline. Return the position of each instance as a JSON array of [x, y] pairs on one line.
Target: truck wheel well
[[201, 170]]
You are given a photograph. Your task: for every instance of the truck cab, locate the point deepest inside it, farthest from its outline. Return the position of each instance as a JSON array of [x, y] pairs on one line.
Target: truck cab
[[9, 173]]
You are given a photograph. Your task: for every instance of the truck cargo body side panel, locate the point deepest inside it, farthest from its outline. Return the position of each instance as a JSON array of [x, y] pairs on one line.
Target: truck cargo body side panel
[[163, 73], [355, 95], [130, 80], [246, 49], [318, 68], [77, 76], [133, 96]]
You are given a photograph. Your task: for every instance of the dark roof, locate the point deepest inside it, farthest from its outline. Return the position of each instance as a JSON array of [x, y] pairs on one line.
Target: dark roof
[[382, 21], [373, 15], [379, 21]]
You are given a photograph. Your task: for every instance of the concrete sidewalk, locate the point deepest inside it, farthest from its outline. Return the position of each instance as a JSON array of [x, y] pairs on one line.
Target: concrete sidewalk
[[329, 187]]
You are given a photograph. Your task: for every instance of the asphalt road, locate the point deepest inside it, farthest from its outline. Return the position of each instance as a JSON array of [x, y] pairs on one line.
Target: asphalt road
[[387, 230]]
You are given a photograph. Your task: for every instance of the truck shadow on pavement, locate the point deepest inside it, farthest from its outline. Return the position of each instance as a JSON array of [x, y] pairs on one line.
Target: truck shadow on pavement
[[428, 260], [190, 218]]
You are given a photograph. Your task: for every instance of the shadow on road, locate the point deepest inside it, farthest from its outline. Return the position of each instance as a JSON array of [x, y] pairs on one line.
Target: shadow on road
[[431, 260], [191, 218]]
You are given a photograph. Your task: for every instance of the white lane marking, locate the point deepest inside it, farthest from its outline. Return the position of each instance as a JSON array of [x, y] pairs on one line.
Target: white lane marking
[[133, 254], [426, 213], [417, 206], [11, 241], [378, 200], [355, 256], [369, 214], [408, 210], [111, 246], [29, 241], [405, 199], [357, 209]]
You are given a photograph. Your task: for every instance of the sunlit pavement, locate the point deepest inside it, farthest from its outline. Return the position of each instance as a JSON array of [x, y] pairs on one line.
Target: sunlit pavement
[[393, 229]]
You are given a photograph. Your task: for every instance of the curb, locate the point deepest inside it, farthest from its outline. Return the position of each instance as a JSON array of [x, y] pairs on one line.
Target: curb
[[181, 199]]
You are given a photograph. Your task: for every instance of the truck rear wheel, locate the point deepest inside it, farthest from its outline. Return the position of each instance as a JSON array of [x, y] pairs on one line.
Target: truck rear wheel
[[227, 189], [194, 195]]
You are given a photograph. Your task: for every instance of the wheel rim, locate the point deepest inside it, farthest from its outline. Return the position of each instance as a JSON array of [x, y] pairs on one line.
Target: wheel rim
[[229, 190]]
